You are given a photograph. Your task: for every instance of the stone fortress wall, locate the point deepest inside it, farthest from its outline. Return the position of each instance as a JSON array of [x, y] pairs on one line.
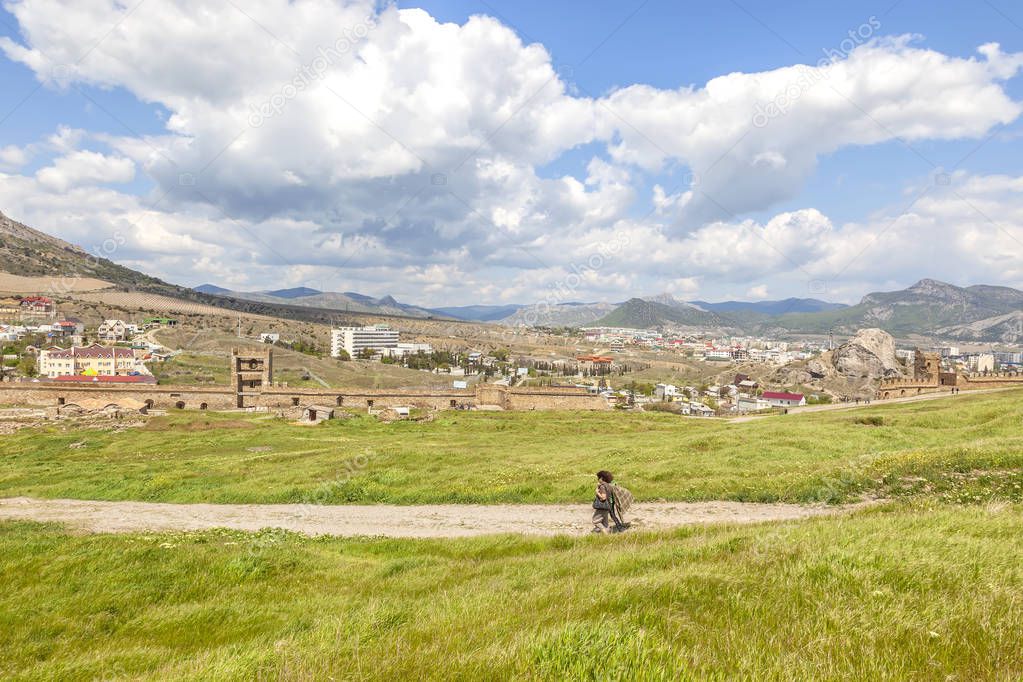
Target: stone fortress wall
[[928, 377], [252, 387], [44, 394]]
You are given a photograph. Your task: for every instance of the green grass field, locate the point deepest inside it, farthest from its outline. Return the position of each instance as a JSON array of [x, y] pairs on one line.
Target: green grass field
[[904, 592], [924, 586], [968, 448]]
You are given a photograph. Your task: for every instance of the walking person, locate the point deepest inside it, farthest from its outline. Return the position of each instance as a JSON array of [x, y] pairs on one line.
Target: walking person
[[609, 504]]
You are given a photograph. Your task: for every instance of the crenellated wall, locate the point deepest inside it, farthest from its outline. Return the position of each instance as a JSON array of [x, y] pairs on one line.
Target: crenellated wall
[[898, 388]]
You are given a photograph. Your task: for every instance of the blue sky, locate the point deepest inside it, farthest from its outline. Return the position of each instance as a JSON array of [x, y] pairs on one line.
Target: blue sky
[[514, 226]]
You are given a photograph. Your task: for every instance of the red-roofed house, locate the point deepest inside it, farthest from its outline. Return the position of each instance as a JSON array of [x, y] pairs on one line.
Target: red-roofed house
[[784, 399], [37, 304]]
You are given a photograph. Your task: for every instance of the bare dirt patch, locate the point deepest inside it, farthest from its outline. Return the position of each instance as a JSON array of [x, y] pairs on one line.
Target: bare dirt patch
[[17, 284], [425, 521]]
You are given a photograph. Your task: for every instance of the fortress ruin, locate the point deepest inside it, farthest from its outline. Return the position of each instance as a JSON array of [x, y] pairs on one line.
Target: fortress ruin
[[252, 388], [929, 377]]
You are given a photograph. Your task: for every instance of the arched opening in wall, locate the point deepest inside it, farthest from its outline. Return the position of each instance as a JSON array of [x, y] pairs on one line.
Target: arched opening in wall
[[902, 392], [203, 406], [454, 403], [180, 404], [60, 401], [294, 402], [369, 403], [149, 404], [253, 364], [340, 401]]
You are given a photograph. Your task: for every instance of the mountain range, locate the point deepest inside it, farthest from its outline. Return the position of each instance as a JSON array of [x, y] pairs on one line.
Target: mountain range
[[928, 308], [348, 301]]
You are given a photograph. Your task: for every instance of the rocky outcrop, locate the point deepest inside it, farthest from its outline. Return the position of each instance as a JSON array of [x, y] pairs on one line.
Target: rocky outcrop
[[870, 354]]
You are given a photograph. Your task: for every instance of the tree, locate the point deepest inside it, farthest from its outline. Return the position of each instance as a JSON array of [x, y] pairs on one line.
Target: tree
[[342, 354], [27, 366]]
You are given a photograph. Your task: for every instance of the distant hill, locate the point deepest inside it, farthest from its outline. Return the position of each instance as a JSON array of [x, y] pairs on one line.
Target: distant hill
[[929, 307], [349, 301], [297, 292], [638, 313], [211, 289], [788, 305], [559, 314], [479, 313]]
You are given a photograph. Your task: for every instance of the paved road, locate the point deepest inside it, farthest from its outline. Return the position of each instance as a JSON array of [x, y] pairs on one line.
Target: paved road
[[426, 521]]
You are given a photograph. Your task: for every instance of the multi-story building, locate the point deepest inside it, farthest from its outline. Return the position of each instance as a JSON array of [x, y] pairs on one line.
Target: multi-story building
[[982, 362], [94, 360], [355, 340], [1009, 358], [113, 330]]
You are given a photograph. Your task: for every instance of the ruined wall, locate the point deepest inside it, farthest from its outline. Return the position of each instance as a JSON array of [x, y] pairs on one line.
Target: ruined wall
[[990, 380], [553, 398], [162, 397], [365, 398], [897, 388], [44, 394]]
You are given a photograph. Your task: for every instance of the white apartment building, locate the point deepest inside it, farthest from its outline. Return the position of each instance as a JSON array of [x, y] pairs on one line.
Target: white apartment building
[[982, 362], [354, 340]]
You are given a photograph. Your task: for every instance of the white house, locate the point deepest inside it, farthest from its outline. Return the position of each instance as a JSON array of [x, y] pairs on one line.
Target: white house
[[751, 404], [776, 399], [666, 391], [113, 330], [700, 410]]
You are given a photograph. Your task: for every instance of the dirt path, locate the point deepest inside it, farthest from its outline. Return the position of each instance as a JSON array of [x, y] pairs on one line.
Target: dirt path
[[427, 521]]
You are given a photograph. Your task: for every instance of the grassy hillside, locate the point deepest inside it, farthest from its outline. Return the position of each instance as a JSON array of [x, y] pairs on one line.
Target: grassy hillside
[[906, 592], [954, 448], [27, 252], [637, 313], [928, 306]]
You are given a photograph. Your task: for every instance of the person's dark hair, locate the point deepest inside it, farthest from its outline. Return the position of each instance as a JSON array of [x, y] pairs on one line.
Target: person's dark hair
[[605, 476]]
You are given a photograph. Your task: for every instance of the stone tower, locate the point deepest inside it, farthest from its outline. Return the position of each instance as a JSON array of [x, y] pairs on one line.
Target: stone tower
[[926, 367], [251, 370]]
